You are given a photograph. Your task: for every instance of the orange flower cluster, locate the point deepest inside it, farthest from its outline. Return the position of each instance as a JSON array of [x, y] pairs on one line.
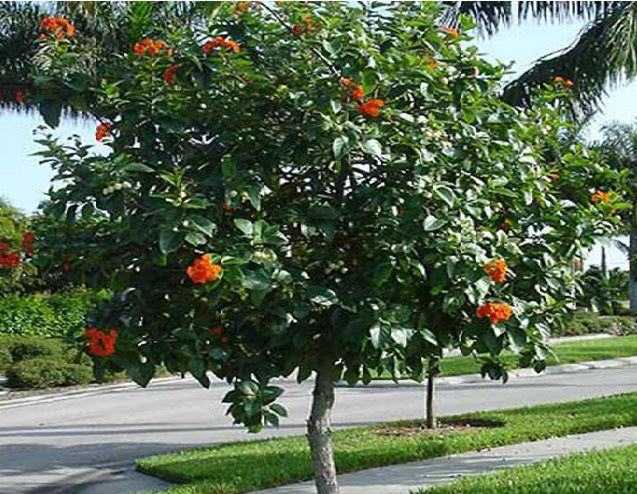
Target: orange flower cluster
[[497, 270], [450, 31], [219, 42], [27, 243], [600, 196], [561, 81], [58, 26], [432, 64], [101, 344], [495, 311], [371, 107], [554, 176], [216, 331], [149, 47], [202, 271], [18, 96], [356, 91], [102, 130], [170, 73], [9, 260], [308, 26]]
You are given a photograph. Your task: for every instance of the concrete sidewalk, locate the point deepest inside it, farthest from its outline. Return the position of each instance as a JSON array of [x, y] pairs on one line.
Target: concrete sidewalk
[[408, 477]]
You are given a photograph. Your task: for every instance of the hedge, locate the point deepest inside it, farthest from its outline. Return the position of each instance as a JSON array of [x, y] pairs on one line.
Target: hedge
[[44, 372], [585, 322], [47, 315]]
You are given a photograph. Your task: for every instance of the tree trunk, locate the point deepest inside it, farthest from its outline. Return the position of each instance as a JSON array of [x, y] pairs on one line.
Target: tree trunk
[[319, 430], [603, 265], [632, 260], [430, 410]]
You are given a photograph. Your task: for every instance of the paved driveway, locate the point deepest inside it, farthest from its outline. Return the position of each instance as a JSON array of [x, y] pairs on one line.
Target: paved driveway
[[86, 443]]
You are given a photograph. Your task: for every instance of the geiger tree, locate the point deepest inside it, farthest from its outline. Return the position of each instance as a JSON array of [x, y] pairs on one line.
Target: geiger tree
[[318, 190]]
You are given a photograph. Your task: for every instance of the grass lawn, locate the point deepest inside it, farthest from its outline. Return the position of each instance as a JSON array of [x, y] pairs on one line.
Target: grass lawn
[[609, 471], [240, 467], [567, 353]]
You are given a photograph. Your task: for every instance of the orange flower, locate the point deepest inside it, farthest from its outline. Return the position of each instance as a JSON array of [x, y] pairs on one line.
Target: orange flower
[[100, 344], [216, 331], [432, 64], [102, 130], [450, 31], [297, 30], [241, 7], [371, 107], [495, 311], [219, 42], [561, 81], [27, 243], [554, 176], [57, 26], [19, 96], [600, 196], [169, 74], [497, 270], [201, 271], [149, 47], [356, 91]]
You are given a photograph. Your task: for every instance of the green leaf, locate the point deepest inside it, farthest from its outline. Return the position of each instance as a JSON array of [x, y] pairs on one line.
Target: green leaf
[[195, 238], [372, 147], [51, 111], [228, 168], [431, 223], [340, 147], [445, 193], [279, 409], [202, 224], [139, 167], [244, 225], [169, 241]]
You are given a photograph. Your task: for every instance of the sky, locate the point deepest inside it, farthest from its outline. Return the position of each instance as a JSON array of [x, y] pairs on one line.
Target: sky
[[24, 182]]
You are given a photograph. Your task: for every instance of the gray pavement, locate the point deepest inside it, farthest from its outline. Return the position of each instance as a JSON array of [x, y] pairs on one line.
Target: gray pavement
[[408, 477], [85, 443]]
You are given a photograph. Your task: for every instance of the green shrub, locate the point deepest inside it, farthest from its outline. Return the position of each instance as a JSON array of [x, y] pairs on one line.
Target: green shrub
[[52, 315], [5, 357], [44, 372], [40, 372], [22, 348], [75, 374]]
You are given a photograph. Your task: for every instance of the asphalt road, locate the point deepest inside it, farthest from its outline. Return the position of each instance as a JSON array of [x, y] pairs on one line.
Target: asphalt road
[[86, 443]]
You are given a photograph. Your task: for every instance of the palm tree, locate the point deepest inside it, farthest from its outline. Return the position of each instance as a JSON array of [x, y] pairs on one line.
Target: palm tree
[[619, 146], [603, 55]]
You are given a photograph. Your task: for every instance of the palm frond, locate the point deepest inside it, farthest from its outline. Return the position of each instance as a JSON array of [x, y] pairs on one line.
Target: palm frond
[[603, 56], [493, 16]]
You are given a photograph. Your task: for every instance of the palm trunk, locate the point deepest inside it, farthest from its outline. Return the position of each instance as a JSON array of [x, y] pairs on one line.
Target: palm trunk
[[431, 421], [632, 259], [603, 265], [319, 430]]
